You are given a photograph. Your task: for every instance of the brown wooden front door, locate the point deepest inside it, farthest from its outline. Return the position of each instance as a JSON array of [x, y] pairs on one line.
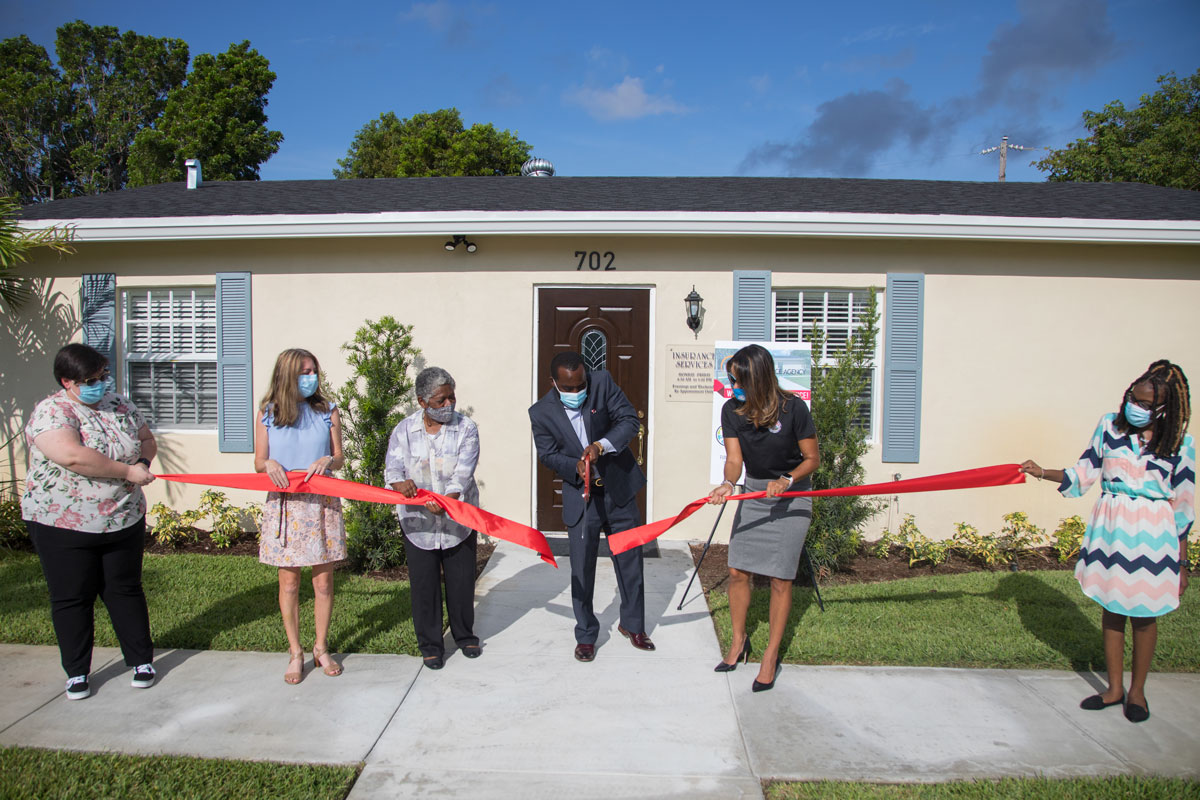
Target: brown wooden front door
[[610, 328]]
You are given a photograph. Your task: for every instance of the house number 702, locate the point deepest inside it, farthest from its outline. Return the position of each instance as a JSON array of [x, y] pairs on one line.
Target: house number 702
[[593, 259]]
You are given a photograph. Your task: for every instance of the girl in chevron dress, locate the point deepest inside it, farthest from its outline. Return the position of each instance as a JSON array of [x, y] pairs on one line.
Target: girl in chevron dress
[[1133, 559]]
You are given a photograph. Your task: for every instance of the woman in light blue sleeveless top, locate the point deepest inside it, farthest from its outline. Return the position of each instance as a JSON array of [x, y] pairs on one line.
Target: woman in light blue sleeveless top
[[297, 429]]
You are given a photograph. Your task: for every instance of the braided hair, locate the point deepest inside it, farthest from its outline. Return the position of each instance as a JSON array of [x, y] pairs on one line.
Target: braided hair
[[1172, 407]]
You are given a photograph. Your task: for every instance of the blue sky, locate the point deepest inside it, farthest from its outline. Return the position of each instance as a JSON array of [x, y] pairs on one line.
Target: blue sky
[[866, 89]]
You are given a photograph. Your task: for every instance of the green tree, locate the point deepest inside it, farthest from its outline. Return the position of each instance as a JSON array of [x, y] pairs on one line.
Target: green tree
[[428, 145], [118, 85], [370, 404], [218, 116], [1157, 143], [15, 247], [837, 407], [32, 102]]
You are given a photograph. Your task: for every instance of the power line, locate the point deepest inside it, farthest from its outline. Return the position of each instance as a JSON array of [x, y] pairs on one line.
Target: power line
[[1004, 147]]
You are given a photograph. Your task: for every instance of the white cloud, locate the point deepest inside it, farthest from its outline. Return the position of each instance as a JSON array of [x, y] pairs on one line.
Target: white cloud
[[626, 100], [437, 15], [883, 33], [760, 84]]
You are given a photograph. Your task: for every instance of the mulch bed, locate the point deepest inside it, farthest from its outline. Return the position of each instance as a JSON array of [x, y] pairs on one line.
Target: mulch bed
[[866, 568]]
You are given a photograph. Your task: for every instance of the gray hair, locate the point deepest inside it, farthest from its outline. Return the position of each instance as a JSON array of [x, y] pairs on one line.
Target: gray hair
[[430, 379]]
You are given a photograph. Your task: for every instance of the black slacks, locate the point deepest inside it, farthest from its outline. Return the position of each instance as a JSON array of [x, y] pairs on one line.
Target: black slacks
[[79, 566], [425, 568], [584, 541]]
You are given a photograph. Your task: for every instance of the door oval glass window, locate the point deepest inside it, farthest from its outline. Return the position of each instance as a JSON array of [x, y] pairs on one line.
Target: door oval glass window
[[594, 349]]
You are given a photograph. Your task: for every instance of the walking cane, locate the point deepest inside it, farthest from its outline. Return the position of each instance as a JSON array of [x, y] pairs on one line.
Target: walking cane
[[702, 555]]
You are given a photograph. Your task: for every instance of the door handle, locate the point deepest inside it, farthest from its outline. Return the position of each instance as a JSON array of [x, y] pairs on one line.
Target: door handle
[[641, 445]]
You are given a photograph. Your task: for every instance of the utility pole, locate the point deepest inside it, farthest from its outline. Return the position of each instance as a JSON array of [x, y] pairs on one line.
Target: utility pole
[[1003, 148]]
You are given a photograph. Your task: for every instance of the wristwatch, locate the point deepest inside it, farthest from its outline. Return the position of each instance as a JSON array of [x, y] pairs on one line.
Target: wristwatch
[[788, 477], [143, 460]]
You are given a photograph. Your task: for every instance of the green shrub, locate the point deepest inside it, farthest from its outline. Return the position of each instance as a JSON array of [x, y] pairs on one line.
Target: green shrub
[[1019, 536], [918, 546], [834, 548], [983, 549], [172, 528], [370, 402], [12, 527], [882, 546], [837, 408], [1068, 537]]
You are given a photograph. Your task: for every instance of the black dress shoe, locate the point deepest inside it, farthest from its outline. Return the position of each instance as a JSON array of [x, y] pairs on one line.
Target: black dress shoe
[[639, 640], [758, 686], [1096, 703], [434, 662], [585, 652], [743, 656], [472, 651], [1136, 713]]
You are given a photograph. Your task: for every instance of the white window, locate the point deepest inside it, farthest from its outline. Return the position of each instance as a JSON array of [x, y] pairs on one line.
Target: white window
[[169, 344], [839, 313]]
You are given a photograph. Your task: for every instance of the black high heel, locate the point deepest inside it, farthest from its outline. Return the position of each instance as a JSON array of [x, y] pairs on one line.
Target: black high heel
[[762, 687], [743, 656]]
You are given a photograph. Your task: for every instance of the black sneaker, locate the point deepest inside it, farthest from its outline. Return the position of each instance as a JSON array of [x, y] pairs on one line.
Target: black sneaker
[[143, 676], [77, 687]]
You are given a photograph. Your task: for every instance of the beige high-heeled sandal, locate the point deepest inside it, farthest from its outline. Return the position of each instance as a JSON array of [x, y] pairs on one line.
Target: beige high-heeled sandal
[[333, 669], [298, 675]]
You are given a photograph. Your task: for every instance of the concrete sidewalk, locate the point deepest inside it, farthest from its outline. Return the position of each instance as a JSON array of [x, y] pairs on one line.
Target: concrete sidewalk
[[527, 720]]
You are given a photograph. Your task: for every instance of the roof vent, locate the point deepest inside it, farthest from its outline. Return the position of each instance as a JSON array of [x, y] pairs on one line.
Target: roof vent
[[193, 173], [537, 168]]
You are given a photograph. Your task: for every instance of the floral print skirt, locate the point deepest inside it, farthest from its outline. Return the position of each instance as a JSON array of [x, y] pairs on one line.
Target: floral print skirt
[[301, 530]]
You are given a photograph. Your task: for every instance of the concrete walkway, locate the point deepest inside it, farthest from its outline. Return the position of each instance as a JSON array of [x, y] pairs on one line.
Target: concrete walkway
[[527, 720]]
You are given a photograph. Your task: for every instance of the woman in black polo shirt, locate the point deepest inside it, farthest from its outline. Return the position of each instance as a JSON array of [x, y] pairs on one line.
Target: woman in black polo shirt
[[769, 431]]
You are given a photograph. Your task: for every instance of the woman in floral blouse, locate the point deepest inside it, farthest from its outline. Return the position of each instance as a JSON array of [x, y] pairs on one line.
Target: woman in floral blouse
[[89, 455], [437, 451]]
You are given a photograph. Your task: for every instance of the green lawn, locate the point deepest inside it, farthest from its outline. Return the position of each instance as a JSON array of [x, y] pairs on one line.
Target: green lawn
[[218, 603], [47, 774], [1029, 620], [1117, 788]]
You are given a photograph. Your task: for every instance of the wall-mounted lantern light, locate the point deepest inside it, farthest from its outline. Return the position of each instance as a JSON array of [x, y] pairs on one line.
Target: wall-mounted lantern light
[[695, 310], [459, 239]]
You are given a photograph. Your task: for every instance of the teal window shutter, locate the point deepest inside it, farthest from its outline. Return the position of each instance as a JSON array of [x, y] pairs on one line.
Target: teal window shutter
[[752, 305], [235, 400], [902, 367], [98, 307]]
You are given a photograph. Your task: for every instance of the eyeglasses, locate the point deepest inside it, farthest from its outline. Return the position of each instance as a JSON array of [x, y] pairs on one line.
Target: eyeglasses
[[1129, 398], [732, 380], [101, 378]]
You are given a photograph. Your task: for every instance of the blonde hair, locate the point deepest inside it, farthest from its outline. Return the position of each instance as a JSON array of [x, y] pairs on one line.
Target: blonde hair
[[283, 396]]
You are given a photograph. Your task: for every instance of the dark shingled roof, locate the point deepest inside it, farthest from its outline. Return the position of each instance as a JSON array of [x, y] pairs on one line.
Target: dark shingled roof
[[1126, 201]]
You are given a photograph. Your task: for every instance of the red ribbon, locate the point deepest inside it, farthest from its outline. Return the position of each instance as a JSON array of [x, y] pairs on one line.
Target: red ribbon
[[462, 513], [999, 475]]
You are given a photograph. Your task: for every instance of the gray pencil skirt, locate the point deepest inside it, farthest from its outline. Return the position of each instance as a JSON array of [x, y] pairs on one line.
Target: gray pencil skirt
[[768, 535]]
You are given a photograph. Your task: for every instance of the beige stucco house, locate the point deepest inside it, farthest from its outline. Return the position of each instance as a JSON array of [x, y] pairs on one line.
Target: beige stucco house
[[1014, 314]]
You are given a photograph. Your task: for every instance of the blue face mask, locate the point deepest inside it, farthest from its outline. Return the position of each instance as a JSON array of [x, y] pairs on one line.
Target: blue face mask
[[572, 399], [739, 394], [92, 394], [1135, 415], [308, 385]]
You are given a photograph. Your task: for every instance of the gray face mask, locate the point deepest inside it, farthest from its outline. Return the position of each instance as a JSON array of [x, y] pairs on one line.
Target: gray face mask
[[441, 415]]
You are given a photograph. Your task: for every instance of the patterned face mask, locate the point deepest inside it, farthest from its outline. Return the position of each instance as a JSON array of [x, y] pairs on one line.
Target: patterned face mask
[[441, 415]]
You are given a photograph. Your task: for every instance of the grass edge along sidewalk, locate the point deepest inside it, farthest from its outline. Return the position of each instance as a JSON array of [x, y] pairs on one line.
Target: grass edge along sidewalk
[[31, 772], [1121, 787]]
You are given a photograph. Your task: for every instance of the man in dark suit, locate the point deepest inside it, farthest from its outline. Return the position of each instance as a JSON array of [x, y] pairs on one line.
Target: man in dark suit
[[588, 414]]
